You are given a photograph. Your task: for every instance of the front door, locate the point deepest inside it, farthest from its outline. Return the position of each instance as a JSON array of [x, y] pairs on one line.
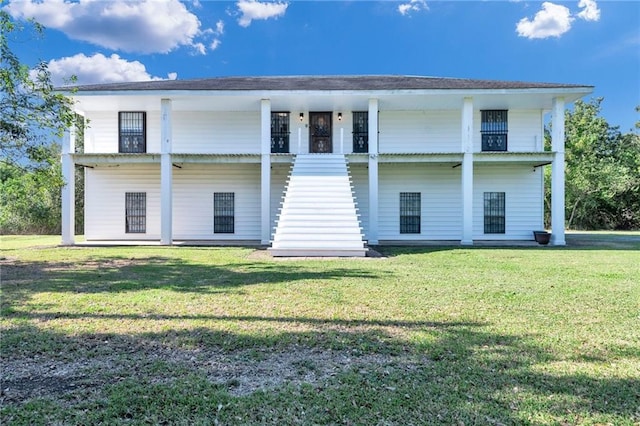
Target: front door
[[320, 133]]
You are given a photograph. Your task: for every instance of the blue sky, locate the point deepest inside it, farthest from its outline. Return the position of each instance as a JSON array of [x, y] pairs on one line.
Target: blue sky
[[590, 42]]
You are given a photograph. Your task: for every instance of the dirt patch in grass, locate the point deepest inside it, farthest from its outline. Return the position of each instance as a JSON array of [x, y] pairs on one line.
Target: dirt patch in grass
[[14, 270], [242, 372]]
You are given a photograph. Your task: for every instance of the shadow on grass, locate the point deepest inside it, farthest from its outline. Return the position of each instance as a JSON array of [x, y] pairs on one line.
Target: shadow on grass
[[459, 373], [575, 241], [116, 274]]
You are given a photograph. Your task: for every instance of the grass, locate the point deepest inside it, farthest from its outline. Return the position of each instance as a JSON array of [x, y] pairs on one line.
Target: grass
[[137, 335]]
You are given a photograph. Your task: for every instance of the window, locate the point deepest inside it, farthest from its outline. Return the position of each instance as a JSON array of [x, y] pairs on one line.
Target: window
[[132, 132], [280, 132], [223, 213], [361, 131], [135, 212], [410, 212], [494, 214], [494, 130]]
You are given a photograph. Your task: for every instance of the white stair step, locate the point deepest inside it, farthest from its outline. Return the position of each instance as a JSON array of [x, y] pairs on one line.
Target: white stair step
[[312, 232], [320, 220], [336, 238], [317, 253], [343, 245]]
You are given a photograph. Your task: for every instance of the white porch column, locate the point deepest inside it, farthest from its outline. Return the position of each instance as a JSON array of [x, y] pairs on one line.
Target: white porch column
[[467, 172], [166, 174], [265, 174], [557, 173], [373, 171], [69, 188]]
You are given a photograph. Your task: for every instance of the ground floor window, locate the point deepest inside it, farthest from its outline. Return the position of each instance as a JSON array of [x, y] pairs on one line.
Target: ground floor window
[[223, 213], [494, 213], [135, 212], [410, 212]]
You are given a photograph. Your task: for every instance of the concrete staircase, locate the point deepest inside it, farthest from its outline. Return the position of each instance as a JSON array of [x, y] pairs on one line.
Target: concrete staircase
[[318, 216]]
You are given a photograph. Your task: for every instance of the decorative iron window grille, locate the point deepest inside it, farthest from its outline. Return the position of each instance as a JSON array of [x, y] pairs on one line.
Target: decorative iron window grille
[[410, 212], [494, 213], [223, 213], [280, 132], [132, 132], [135, 212], [361, 131], [493, 128]]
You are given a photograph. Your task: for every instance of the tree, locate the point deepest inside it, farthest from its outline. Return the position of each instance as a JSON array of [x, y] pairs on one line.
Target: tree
[[602, 171], [32, 113], [33, 118]]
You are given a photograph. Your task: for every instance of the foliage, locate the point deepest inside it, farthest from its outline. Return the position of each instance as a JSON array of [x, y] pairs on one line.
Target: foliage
[[440, 335], [602, 171], [32, 113], [33, 117], [30, 200]]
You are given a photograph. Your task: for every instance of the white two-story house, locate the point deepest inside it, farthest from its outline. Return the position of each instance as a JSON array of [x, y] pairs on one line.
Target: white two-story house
[[318, 165]]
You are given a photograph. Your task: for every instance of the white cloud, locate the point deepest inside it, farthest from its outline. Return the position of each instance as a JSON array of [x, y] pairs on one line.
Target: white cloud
[[99, 69], [219, 28], [412, 6], [200, 48], [145, 26], [590, 11], [217, 33], [251, 10], [552, 20]]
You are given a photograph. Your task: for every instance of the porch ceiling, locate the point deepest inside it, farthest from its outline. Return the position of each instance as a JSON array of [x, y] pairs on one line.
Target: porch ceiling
[[533, 159]]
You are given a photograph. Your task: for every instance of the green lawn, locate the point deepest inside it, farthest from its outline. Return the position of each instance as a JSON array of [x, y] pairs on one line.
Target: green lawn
[[436, 335]]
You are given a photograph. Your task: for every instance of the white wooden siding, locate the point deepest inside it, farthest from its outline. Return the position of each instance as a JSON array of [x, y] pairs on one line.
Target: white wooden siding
[[360, 181], [523, 200], [210, 132], [102, 132], [193, 188], [343, 133], [441, 200], [420, 131], [239, 132], [105, 189], [524, 131]]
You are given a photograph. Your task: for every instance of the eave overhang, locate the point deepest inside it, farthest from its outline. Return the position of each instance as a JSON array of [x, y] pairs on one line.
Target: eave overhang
[[323, 93]]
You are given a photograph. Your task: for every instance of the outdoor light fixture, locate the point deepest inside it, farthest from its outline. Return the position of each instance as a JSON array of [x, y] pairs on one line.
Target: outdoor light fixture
[[301, 116], [339, 116]]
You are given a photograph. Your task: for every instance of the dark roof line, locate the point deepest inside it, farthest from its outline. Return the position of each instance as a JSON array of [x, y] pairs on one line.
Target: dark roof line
[[319, 83]]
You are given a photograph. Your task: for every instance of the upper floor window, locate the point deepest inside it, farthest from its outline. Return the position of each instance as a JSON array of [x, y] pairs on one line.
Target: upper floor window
[[361, 131], [494, 130], [280, 132], [132, 132]]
